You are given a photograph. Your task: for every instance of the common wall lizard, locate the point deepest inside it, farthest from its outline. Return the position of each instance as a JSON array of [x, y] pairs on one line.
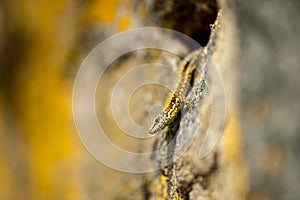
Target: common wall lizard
[[178, 97], [188, 65]]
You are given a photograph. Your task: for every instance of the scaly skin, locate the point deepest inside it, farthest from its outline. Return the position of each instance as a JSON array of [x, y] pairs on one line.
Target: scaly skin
[[178, 97]]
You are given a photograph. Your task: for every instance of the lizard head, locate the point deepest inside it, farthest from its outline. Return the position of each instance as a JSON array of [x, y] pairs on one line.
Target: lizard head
[[158, 124]]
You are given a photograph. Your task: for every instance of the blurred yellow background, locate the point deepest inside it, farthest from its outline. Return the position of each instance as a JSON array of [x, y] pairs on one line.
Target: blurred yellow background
[[42, 44]]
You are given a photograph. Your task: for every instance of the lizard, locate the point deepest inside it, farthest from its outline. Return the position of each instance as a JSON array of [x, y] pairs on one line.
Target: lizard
[[187, 67], [178, 97]]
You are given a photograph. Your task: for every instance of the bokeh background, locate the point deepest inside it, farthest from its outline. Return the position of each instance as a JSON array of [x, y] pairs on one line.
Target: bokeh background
[[42, 44]]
